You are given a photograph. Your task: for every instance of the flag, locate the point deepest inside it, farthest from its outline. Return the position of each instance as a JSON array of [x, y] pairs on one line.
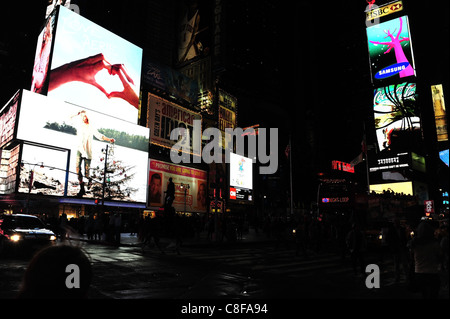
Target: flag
[[287, 150], [358, 159], [364, 145]]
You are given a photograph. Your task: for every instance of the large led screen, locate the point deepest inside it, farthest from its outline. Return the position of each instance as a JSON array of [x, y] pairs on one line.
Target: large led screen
[[39, 82], [94, 68], [164, 116], [241, 177], [443, 155], [401, 187], [396, 115], [195, 196], [88, 135], [170, 80], [43, 170], [8, 120], [440, 114], [390, 50]]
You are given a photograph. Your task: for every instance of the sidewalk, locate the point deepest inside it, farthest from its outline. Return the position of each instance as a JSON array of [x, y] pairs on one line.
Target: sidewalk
[[127, 239]]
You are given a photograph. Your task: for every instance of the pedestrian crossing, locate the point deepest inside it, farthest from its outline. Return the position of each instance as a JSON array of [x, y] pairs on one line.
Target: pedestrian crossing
[[276, 262]]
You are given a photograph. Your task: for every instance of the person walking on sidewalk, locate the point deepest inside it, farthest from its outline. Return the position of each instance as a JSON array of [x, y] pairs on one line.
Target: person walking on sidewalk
[[397, 240], [426, 254], [151, 230], [356, 244], [117, 228]]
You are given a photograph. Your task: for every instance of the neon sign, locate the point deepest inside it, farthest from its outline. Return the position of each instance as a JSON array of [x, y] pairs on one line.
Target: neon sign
[[342, 166], [391, 70], [329, 200]]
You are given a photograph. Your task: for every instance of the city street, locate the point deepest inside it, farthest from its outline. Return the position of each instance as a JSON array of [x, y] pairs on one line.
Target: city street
[[243, 270]]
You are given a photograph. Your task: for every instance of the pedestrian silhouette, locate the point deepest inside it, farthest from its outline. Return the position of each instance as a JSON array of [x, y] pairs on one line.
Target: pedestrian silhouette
[[151, 230], [396, 240], [46, 274], [426, 254], [170, 194], [356, 244]]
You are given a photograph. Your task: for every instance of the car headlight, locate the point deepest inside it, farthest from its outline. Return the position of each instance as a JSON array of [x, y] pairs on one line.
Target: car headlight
[[52, 237], [15, 238]]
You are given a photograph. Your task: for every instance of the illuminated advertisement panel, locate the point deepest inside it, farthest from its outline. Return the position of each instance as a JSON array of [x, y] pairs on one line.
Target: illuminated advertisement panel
[[401, 187], [194, 37], [171, 81], [440, 114], [39, 82], [164, 116], [443, 155], [88, 134], [94, 68], [43, 170], [382, 11], [227, 115], [396, 114], [395, 161], [390, 50], [241, 177], [8, 116], [8, 169], [195, 195], [342, 166]]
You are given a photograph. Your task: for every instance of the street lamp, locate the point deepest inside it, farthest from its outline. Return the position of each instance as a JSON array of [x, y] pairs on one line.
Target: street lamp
[[30, 180], [185, 187]]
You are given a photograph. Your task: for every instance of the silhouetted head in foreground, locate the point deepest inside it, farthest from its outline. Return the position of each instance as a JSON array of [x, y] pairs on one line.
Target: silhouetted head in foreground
[[57, 272]]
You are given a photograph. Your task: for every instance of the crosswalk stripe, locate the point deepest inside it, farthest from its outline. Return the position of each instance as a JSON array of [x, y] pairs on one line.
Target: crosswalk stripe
[[273, 262]]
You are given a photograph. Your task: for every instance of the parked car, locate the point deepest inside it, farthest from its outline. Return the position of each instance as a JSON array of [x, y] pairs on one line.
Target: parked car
[[20, 231]]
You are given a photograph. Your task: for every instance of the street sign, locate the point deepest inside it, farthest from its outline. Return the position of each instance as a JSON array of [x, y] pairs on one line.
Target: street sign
[[429, 207]]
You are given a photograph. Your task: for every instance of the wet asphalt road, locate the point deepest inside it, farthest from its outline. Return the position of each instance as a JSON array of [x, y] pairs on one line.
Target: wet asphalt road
[[239, 272]]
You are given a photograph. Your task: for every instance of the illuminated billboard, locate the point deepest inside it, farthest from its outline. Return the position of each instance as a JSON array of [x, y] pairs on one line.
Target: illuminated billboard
[[401, 187], [396, 115], [194, 37], [92, 67], [390, 50], [395, 161], [227, 116], [385, 10], [8, 169], [342, 166], [87, 134], [171, 81], [440, 114], [8, 116], [39, 81], [413, 188], [164, 116], [443, 155], [195, 197], [43, 171], [241, 177]]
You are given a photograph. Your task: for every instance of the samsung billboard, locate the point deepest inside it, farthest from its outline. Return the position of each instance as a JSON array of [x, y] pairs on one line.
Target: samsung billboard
[[390, 50]]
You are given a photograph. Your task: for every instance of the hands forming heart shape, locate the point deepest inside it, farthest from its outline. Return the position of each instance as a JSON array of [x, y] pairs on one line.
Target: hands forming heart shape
[[85, 70]]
